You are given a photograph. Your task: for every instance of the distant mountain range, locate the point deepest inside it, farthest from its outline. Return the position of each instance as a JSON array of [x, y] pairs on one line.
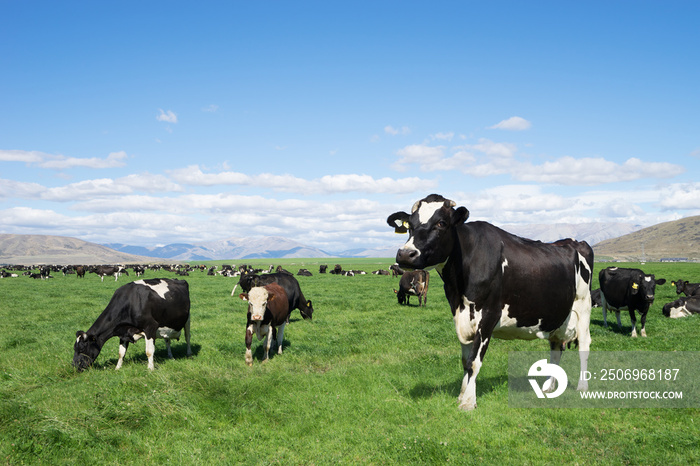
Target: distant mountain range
[[616, 241]]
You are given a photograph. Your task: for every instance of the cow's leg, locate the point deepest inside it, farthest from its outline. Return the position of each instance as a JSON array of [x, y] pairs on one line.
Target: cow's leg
[[472, 357], [604, 305], [123, 346], [634, 324], [643, 320], [150, 351], [583, 333], [619, 322], [248, 341], [187, 337], [167, 345], [280, 337], [267, 342], [556, 348], [102, 278]]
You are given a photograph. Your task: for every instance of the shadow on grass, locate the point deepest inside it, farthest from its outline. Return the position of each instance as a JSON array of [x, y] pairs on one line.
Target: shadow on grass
[[483, 385], [624, 330]]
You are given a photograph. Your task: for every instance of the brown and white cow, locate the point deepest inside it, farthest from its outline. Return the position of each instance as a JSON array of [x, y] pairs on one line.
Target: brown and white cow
[[268, 313], [413, 283]]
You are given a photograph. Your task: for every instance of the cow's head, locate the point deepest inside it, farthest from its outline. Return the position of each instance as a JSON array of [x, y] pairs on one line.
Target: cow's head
[[257, 298], [431, 227], [86, 350], [679, 284], [645, 286], [307, 313]]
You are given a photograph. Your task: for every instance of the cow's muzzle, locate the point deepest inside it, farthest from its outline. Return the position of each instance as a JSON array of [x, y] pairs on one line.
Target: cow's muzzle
[[407, 257], [256, 317], [82, 361]]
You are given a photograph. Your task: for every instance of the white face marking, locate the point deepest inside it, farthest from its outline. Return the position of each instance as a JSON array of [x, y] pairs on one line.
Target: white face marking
[[427, 209], [647, 279], [161, 288], [257, 297]]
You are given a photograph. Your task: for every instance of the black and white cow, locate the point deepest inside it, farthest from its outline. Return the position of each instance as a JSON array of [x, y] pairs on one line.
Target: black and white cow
[[500, 285], [106, 270], [150, 309], [629, 289], [683, 286], [413, 283], [682, 307]]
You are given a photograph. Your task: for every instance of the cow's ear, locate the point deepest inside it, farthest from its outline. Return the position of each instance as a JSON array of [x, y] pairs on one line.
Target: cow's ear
[[660, 281], [461, 215], [673, 283], [398, 221], [92, 338], [79, 334], [270, 296], [635, 287], [243, 296], [308, 303]]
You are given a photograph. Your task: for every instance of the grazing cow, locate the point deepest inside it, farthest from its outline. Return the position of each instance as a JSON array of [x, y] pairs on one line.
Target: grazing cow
[[627, 288], [304, 273], [286, 281], [268, 313], [682, 307], [105, 270], [413, 283], [500, 285], [150, 309], [689, 289]]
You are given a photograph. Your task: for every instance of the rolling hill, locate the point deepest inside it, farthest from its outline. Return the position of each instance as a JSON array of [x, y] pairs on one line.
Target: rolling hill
[[677, 239]]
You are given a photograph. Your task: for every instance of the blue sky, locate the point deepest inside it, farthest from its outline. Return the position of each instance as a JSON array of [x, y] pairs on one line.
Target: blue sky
[[158, 122]]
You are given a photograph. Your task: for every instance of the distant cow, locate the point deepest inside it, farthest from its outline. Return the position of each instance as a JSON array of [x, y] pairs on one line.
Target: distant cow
[[80, 271], [689, 289], [304, 273], [500, 285], [627, 288], [150, 309], [288, 282], [105, 271], [414, 283], [596, 301], [268, 313], [322, 268], [381, 272], [682, 307], [337, 270], [396, 270]]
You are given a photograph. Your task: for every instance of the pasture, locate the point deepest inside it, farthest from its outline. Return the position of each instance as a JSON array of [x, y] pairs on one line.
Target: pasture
[[367, 381]]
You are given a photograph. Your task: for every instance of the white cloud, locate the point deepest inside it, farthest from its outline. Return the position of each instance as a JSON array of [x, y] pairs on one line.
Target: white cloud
[[211, 108], [515, 123], [169, 116], [443, 136], [396, 131], [684, 196], [113, 160], [60, 162]]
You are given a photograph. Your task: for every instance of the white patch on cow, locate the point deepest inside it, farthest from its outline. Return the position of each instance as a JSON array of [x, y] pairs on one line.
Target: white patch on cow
[[161, 288], [427, 210], [678, 312], [507, 328], [504, 265], [150, 351], [168, 333], [465, 326], [647, 279]]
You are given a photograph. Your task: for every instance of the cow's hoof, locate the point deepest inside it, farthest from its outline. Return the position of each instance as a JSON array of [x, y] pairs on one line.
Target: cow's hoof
[[468, 406], [249, 364]]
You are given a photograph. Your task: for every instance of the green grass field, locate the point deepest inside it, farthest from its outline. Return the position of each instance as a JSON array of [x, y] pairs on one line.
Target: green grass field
[[367, 381]]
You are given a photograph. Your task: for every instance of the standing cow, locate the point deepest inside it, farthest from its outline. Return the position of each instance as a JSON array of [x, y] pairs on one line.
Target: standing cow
[[288, 282], [150, 309], [413, 283], [268, 313], [627, 288], [500, 285]]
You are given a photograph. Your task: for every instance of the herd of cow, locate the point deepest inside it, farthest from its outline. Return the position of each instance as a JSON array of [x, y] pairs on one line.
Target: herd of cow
[[497, 285]]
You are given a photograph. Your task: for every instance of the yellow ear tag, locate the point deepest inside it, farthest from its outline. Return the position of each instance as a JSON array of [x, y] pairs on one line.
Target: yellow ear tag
[[634, 286], [405, 224]]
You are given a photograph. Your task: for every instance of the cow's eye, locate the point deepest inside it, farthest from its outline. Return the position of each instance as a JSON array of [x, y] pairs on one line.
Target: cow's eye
[[441, 224]]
